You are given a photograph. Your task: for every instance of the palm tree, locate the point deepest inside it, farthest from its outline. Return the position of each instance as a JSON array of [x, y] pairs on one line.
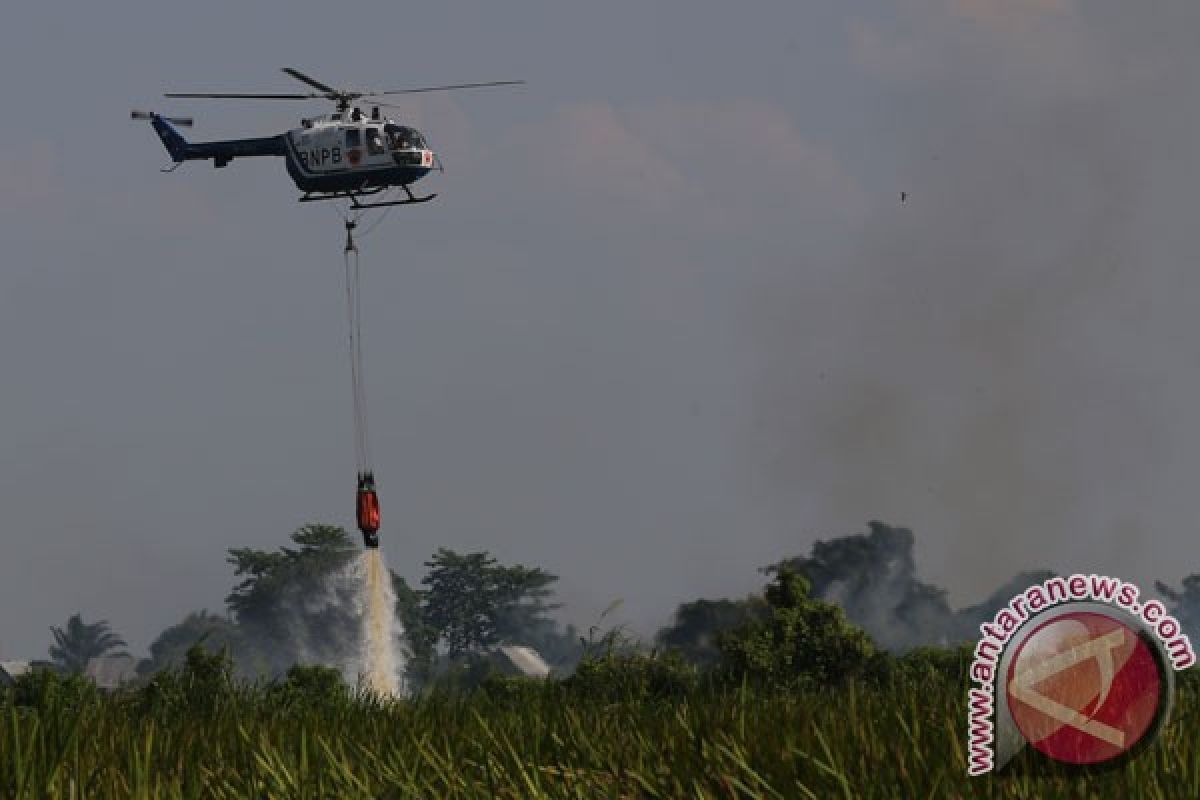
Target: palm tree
[[78, 643]]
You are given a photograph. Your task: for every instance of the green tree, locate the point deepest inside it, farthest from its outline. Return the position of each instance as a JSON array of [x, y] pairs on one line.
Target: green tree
[[697, 626], [524, 615], [202, 684], [212, 631], [873, 577], [472, 602], [800, 639], [287, 608], [523, 601], [78, 643], [461, 601], [309, 686], [421, 638]]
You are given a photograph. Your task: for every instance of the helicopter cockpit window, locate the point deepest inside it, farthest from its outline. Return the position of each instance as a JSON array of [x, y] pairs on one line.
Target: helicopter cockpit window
[[374, 143], [402, 138]]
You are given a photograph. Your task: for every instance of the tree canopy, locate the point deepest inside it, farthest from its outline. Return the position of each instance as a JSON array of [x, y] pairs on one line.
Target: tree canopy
[[213, 632], [697, 625], [79, 642], [800, 639], [296, 605], [472, 602]]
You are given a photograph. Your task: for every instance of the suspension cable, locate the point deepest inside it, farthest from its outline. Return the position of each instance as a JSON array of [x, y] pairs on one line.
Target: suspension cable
[[354, 320], [351, 217], [362, 365], [366, 498]]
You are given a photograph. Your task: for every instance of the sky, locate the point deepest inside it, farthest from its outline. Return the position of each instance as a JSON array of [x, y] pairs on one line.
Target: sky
[[667, 321]]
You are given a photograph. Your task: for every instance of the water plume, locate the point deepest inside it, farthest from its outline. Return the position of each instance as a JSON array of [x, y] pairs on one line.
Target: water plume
[[382, 658]]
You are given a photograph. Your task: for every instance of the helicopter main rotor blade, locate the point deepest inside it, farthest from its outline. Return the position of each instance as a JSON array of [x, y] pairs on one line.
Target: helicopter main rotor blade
[[316, 84], [391, 105], [244, 96], [342, 97], [444, 88]]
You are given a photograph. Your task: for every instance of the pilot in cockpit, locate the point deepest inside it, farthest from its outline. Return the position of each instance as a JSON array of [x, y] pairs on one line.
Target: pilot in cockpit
[[374, 143], [402, 138]]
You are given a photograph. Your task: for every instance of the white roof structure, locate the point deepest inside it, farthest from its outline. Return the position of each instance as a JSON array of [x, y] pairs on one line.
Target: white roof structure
[[11, 670], [524, 660]]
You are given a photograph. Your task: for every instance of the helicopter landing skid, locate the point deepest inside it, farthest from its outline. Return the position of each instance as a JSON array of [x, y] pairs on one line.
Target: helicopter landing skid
[[353, 197]]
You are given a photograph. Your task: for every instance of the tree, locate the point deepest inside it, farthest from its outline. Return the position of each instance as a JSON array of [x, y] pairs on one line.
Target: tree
[[523, 595], [422, 639], [698, 625], [78, 643], [872, 577], [472, 602], [460, 603], [211, 631], [800, 640], [201, 685], [524, 611], [296, 605]]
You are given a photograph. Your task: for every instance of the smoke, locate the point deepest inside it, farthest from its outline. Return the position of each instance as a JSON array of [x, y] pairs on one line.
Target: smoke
[[317, 620], [873, 578], [327, 603], [346, 619], [997, 358]]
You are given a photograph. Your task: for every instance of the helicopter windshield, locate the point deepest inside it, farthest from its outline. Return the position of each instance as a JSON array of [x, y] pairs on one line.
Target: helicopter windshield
[[401, 138]]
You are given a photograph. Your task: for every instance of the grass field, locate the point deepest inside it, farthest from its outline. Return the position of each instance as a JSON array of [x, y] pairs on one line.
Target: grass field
[[508, 740]]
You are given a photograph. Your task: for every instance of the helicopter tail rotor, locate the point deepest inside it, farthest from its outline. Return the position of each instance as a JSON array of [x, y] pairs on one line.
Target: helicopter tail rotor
[[185, 122], [176, 145]]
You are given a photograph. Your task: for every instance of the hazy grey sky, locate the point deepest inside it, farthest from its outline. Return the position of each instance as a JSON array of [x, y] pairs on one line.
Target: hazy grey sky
[[666, 323]]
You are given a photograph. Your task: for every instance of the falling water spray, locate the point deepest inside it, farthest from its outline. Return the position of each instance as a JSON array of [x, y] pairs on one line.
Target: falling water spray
[[382, 658]]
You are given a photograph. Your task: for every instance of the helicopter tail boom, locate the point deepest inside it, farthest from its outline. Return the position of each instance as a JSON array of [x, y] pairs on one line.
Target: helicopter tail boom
[[221, 152], [174, 142]]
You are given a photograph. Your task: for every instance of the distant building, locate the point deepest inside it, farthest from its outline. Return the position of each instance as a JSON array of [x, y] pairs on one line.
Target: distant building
[[519, 660], [112, 672], [11, 670]]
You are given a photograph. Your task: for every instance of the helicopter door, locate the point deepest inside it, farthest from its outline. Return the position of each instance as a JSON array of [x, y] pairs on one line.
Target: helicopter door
[[375, 146], [354, 152]]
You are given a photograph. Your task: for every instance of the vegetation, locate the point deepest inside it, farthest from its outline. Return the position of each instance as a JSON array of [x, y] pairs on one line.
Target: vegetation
[[625, 726], [214, 632], [777, 695], [698, 626], [299, 604], [78, 643], [290, 605], [471, 603], [800, 641]]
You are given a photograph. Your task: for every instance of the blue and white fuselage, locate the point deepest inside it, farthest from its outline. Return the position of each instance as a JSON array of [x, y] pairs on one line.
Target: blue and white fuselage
[[342, 153]]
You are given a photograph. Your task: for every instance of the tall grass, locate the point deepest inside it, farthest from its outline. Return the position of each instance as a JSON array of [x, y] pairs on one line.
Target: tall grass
[[898, 739]]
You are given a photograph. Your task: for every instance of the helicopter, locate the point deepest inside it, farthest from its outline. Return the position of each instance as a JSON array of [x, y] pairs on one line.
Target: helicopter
[[347, 154]]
